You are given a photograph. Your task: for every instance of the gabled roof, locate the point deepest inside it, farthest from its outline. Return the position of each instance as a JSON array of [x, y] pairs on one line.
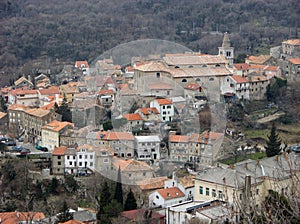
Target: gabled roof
[[57, 125], [187, 181], [59, 151], [261, 59], [22, 79], [170, 193], [147, 111], [111, 136], [152, 183], [258, 78], [295, 61], [19, 217], [18, 107], [133, 117], [239, 79], [22, 91], [131, 165], [292, 42], [163, 101], [2, 115]]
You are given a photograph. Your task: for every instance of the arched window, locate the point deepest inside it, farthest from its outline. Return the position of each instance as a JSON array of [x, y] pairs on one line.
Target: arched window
[[183, 80]]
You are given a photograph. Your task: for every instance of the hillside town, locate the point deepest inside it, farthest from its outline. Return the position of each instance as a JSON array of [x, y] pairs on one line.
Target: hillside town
[[160, 127]]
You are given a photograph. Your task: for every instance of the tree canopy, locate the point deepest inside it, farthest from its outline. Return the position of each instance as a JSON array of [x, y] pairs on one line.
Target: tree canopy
[[273, 145]]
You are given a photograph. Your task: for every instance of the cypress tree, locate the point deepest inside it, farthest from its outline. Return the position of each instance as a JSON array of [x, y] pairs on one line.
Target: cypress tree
[[64, 214], [130, 203], [273, 143], [119, 191]]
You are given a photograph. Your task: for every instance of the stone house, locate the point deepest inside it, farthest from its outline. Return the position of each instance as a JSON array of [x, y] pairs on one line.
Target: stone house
[[147, 148]]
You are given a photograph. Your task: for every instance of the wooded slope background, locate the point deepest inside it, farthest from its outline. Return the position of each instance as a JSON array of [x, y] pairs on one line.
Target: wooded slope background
[[72, 30]]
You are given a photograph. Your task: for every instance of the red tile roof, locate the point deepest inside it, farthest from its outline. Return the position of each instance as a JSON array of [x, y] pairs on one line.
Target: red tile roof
[[57, 125], [163, 101], [295, 61], [17, 217], [150, 110], [292, 42], [111, 136], [106, 92], [50, 91], [139, 214], [239, 79], [133, 117], [241, 66], [79, 63], [170, 193], [22, 91], [131, 165], [179, 138], [192, 86], [59, 151], [152, 183]]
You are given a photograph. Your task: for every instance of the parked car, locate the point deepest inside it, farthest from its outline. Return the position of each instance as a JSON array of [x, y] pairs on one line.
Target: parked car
[[44, 149], [10, 142], [20, 139], [17, 148], [25, 151], [295, 148]]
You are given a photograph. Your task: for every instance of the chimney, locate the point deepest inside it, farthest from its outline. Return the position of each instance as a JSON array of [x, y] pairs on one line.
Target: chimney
[[246, 165], [231, 166]]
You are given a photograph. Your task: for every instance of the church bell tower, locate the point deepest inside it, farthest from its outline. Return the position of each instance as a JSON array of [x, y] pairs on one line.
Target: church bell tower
[[227, 50]]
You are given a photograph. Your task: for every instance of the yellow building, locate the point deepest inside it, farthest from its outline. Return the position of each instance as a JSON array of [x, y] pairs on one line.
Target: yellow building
[[51, 133]]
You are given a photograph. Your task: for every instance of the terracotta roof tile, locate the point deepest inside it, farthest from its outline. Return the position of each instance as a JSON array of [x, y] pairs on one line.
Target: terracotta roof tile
[[295, 61], [51, 90], [170, 193], [111, 136], [192, 86], [163, 101], [179, 138], [59, 151], [57, 125], [37, 112], [106, 92], [147, 111], [239, 79], [292, 42], [261, 59], [2, 115], [23, 91], [133, 117], [131, 165], [17, 217], [16, 106], [152, 183], [79, 64], [241, 66], [137, 214]]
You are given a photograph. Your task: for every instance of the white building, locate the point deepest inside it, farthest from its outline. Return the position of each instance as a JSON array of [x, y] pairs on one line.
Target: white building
[[85, 159], [237, 86], [147, 147], [165, 108], [70, 161], [166, 197]]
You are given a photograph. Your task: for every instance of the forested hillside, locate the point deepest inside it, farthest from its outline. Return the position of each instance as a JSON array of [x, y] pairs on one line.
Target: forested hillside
[[77, 29]]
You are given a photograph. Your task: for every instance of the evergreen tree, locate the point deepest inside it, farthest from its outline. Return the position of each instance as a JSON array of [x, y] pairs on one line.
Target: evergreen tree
[[64, 214], [65, 111], [3, 106], [105, 198], [273, 143], [130, 203], [119, 191]]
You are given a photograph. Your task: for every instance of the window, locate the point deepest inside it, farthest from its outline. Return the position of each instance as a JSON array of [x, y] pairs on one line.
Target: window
[[183, 80], [91, 164], [58, 157], [80, 156], [129, 174], [70, 163], [213, 193], [257, 191], [68, 157], [105, 160], [220, 195], [157, 75], [144, 174], [207, 191], [211, 79], [157, 196], [91, 156], [80, 163], [58, 163], [200, 190]]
